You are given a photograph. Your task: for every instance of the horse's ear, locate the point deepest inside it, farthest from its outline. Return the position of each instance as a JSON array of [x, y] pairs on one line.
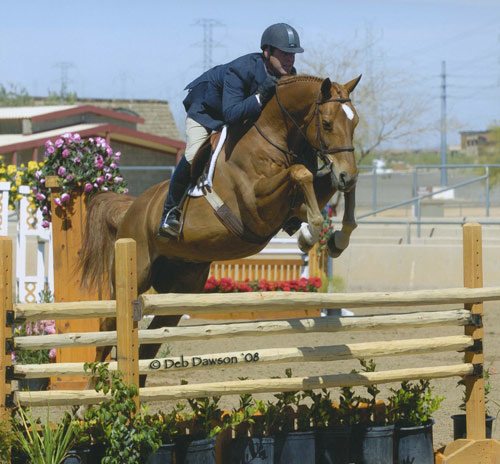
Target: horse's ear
[[326, 89], [351, 85]]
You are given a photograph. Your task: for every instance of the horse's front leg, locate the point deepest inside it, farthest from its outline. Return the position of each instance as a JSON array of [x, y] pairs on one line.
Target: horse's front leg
[[339, 241]]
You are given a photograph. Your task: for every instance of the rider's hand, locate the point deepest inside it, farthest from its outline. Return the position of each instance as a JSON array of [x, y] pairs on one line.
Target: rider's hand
[[266, 89]]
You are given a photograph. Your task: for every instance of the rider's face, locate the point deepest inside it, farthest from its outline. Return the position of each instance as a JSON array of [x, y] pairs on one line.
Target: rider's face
[[281, 63]]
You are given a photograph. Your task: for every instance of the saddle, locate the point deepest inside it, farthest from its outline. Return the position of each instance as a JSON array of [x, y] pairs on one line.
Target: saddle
[[201, 161]]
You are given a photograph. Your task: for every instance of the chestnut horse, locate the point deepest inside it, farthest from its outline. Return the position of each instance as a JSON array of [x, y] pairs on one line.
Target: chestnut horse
[[285, 165]]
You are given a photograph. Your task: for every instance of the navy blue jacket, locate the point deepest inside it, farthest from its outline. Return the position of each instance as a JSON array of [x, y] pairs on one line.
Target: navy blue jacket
[[225, 94]]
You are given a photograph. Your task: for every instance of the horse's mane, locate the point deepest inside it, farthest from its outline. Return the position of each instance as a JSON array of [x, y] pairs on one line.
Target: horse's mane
[[298, 78]]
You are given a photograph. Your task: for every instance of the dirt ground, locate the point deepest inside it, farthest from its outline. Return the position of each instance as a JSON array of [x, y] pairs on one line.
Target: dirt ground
[[443, 429]]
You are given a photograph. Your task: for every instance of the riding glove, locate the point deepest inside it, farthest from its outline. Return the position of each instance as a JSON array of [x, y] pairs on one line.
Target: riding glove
[[266, 89]]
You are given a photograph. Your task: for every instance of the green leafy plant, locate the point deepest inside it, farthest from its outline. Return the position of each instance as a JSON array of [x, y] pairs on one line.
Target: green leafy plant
[[267, 419], [7, 440], [413, 403], [373, 413], [348, 410], [127, 434], [43, 443], [322, 413], [206, 416], [487, 389]]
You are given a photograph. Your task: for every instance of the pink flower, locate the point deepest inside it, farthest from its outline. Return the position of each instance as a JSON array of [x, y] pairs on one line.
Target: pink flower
[[45, 224], [58, 201], [65, 153], [108, 176], [118, 179], [78, 160], [88, 187], [100, 180], [50, 327], [65, 197], [113, 165], [61, 171], [76, 137], [49, 150], [40, 197], [52, 353], [117, 155], [109, 151], [38, 174], [70, 177], [59, 143]]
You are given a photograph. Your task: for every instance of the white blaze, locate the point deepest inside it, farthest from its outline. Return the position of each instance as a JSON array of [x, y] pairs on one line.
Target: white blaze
[[349, 113]]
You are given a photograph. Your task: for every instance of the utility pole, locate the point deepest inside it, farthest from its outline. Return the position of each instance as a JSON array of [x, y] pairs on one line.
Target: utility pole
[[208, 41], [64, 67], [444, 171]]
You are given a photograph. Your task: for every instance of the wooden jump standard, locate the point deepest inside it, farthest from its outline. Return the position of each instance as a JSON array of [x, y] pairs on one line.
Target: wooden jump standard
[[128, 337]]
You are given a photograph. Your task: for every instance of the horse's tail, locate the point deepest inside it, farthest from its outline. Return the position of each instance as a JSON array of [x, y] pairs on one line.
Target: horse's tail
[[105, 212]]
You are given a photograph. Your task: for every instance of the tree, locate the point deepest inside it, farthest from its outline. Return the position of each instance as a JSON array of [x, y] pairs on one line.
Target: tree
[[387, 113], [14, 96], [490, 153]]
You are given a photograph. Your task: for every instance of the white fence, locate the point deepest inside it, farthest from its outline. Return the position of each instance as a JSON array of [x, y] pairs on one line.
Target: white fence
[[33, 246]]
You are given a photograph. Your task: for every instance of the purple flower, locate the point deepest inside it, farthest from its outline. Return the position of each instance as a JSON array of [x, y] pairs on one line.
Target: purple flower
[[50, 327], [113, 165], [76, 137], [48, 143], [88, 187], [65, 197], [61, 171], [59, 143], [45, 209], [117, 155], [58, 201], [52, 353], [108, 176], [100, 180], [118, 179], [109, 151], [40, 196], [65, 153], [49, 150], [78, 160], [38, 174], [99, 162], [70, 177], [45, 224]]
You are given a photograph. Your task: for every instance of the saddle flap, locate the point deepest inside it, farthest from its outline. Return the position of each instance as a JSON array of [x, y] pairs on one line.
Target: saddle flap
[[203, 155]]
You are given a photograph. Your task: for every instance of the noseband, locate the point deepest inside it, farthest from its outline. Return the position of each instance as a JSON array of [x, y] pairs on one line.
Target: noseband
[[321, 150]]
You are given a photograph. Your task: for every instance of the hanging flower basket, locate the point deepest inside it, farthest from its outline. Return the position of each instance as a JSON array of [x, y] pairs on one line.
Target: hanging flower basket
[[89, 164]]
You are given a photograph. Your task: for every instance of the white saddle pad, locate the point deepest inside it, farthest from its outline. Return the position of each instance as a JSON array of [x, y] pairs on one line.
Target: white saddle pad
[[201, 190]]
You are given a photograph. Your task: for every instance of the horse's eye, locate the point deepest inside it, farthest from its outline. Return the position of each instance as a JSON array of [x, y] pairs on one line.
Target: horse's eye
[[327, 125]]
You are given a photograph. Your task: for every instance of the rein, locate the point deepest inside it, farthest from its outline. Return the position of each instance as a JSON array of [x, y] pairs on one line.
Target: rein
[[322, 150]]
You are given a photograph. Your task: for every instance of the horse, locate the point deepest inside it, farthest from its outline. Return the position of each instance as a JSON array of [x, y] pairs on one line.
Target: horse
[[282, 167]]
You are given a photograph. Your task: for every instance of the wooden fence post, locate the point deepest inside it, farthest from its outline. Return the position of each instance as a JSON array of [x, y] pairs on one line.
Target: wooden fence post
[[5, 326], [474, 384], [126, 323]]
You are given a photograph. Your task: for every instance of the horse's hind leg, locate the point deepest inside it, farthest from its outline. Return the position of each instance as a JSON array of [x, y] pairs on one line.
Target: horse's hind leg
[[169, 276]]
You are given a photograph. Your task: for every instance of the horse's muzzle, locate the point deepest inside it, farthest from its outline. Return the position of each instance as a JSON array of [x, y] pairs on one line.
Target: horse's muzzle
[[344, 182]]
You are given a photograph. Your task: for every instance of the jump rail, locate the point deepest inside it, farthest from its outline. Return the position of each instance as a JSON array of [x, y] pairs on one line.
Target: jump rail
[[127, 338]]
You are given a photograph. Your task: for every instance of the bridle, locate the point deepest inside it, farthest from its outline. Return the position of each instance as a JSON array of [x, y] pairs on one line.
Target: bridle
[[321, 149]]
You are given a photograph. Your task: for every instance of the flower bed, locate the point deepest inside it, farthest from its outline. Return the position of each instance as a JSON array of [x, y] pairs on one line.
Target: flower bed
[[227, 285]]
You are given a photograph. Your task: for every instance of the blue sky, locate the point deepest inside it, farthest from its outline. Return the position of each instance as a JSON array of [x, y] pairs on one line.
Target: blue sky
[[152, 49]]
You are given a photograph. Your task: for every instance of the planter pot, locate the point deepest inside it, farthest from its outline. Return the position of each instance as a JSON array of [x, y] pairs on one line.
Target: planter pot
[[332, 445], [254, 450], [33, 384], [189, 451], [295, 447], [372, 445], [460, 427], [91, 454], [163, 455], [414, 444]]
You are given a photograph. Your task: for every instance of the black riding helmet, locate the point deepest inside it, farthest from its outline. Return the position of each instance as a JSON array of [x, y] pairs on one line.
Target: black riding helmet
[[283, 37]]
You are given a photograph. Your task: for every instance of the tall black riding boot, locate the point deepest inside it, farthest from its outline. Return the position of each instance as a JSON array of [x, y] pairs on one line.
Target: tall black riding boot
[[170, 221]]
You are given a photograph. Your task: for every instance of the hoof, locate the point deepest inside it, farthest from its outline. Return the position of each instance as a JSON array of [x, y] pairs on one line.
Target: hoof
[[306, 240], [337, 244]]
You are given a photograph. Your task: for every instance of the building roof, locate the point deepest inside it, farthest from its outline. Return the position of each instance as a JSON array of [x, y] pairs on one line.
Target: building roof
[[15, 142], [40, 113], [158, 118]]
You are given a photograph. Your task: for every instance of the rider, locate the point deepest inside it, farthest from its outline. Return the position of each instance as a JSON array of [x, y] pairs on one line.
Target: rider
[[228, 94]]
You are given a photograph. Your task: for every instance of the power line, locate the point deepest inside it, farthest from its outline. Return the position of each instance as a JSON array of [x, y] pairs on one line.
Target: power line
[[208, 43]]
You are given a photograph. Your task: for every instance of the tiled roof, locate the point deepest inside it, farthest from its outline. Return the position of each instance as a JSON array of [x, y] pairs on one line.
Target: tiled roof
[[157, 116]]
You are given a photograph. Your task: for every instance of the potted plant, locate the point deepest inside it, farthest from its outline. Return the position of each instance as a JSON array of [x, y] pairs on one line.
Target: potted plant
[[42, 443], [411, 407], [333, 424], [372, 439], [115, 426], [168, 426], [206, 421], [295, 440], [459, 420]]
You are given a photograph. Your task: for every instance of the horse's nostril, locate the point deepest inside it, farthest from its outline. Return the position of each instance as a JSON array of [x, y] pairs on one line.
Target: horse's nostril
[[343, 177]]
